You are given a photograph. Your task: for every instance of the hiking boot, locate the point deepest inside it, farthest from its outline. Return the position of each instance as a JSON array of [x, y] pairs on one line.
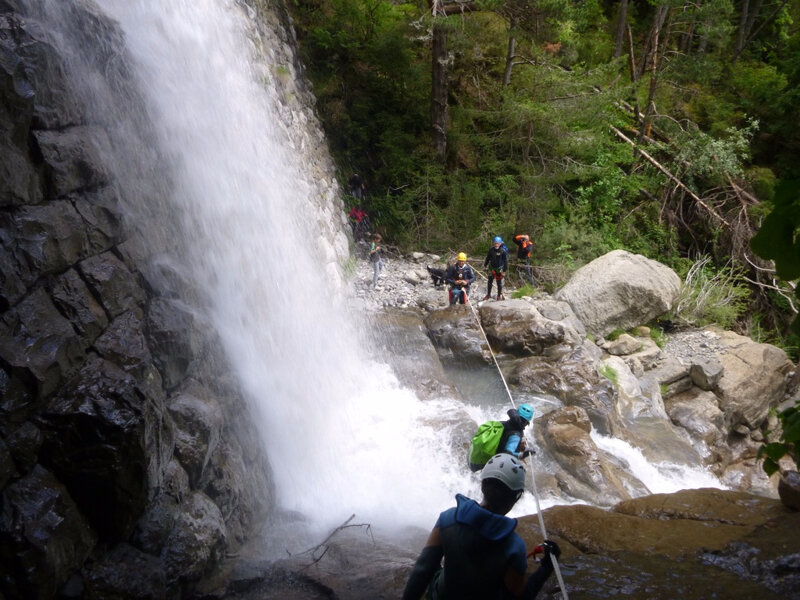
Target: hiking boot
[[487, 297], [501, 297]]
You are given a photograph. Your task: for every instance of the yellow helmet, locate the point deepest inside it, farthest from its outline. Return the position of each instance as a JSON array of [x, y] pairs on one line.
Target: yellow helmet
[[462, 256]]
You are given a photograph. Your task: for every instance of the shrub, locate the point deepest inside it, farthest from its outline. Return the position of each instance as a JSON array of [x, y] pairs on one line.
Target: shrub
[[711, 296], [525, 290]]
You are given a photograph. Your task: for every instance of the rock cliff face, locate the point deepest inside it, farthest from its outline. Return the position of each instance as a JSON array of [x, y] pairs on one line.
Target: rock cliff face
[[129, 463]]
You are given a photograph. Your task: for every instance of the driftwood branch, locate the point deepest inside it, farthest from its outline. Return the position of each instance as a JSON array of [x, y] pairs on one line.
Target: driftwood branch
[[323, 545], [671, 177]]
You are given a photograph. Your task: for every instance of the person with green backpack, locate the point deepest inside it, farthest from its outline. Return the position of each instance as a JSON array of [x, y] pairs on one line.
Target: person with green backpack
[[495, 437]]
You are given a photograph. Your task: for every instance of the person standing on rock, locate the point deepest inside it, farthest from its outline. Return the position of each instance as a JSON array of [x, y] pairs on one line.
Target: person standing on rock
[[497, 262], [460, 276], [483, 556], [375, 258], [524, 248]]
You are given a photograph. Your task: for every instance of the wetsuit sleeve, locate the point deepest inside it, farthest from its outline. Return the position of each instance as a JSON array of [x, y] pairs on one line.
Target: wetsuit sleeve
[[512, 443], [470, 276], [536, 580], [428, 562], [504, 262]]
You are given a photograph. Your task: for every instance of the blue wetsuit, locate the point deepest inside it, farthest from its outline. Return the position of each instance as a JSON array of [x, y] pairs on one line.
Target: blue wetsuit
[[479, 547]]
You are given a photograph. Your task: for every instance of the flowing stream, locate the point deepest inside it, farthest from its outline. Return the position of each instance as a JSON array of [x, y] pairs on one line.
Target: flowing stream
[[342, 436]]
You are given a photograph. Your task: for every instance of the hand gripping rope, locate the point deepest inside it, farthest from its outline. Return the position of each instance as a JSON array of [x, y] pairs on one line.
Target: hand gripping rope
[[533, 479]]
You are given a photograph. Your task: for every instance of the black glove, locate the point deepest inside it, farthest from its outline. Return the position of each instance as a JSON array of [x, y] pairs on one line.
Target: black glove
[[525, 454], [550, 548]]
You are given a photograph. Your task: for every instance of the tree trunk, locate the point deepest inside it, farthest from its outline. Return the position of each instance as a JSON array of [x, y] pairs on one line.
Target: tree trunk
[[439, 90], [512, 44], [631, 57], [655, 32], [621, 26], [651, 46], [740, 37]]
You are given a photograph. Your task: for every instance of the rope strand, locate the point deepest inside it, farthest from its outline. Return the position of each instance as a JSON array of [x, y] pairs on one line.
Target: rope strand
[[530, 463]]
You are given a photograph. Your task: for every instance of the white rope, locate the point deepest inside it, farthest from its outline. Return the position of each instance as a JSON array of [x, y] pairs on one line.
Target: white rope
[[530, 461]]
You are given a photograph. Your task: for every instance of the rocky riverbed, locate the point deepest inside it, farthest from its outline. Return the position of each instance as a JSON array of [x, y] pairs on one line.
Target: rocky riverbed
[[691, 544]]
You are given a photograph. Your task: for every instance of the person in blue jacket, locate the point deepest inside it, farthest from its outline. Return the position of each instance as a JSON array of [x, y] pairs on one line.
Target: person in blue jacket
[[483, 557], [513, 441], [460, 277], [497, 263]]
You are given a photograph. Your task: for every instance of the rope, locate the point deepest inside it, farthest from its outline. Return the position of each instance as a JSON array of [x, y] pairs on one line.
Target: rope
[[530, 461]]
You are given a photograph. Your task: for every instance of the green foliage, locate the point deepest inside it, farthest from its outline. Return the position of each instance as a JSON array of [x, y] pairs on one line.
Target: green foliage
[[609, 373], [779, 237], [537, 155], [614, 335], [657, 335], [715, 159], [526, 290], [773, 452], [711, 295]]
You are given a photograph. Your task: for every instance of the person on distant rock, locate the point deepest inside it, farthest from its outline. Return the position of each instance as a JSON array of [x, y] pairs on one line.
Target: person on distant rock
[[497, 262], [375, 258], [356, 186], [483, 556], [524, 248], [460, 277]]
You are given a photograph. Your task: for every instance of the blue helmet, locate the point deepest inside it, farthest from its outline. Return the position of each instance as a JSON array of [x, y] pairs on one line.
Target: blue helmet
[[526, 412], [498, 239]]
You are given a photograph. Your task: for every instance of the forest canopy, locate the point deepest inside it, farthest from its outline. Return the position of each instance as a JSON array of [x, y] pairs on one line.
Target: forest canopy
[[664, 127]]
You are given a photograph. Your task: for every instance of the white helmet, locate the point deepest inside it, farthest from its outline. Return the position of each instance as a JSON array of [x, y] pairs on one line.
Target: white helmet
[[507, 469]]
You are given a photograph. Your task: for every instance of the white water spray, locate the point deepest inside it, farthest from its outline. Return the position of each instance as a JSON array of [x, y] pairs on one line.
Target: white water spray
[[342, 436]]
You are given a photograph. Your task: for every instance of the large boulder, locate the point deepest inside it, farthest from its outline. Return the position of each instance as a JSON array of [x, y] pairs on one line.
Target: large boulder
[[455, 334], [574, 380], [587, 473], [519, 327], [406, 346], [620, 290], [753, 379]]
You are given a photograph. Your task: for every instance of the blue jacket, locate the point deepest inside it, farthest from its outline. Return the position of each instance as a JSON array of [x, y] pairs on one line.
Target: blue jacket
[[455, 272], [479, 546]]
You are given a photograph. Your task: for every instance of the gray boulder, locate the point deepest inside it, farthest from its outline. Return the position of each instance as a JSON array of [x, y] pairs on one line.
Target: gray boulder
[[518, 327], [588, 473], [455, 333], [620, 290], [753, 379]]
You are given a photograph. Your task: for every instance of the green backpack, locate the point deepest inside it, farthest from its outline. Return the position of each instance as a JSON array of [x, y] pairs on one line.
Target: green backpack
[[484, 444]]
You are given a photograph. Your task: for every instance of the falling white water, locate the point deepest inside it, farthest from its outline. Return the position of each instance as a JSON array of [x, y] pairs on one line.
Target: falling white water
[[343, 438], [662, 478]]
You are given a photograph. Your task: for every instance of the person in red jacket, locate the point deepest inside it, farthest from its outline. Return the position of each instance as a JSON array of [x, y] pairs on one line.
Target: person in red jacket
[[524, 248]]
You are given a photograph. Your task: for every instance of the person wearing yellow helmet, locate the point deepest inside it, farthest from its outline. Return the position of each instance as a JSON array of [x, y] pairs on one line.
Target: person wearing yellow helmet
[[459, 276]]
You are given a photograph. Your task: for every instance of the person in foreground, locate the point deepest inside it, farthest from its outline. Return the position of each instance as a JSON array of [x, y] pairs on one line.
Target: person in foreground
[[483, 557]]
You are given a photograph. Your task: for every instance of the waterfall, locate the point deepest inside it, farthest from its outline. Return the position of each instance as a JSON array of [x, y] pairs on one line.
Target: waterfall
[[341, 435]]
